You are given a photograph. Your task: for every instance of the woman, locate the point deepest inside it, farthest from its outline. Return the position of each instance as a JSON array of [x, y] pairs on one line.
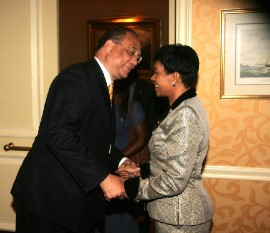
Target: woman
[[129, 118], [178, 146]]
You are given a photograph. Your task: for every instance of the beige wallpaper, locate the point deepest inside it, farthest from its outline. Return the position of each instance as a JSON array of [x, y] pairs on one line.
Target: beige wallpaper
[[239, 127], [240, 206], [240, 130]]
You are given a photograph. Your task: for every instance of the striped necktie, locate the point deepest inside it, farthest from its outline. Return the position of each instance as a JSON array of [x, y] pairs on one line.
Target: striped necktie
[[110, 88]]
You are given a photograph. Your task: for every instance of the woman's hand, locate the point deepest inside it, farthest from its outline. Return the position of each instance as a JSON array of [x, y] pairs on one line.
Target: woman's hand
[[129, 169]]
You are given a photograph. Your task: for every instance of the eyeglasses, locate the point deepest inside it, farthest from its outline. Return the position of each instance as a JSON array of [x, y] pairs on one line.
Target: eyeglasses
[[132, 52]]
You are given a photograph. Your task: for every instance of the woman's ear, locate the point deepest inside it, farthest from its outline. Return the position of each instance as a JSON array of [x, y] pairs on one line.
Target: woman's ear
[[176, 77]]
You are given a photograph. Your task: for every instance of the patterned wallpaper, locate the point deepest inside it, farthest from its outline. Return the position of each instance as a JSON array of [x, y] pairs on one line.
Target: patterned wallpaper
[[240, 130], [240, 206], [239, 127]]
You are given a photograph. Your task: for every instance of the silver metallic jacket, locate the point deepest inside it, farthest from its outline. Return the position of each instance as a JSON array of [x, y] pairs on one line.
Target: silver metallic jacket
[[178, 147]]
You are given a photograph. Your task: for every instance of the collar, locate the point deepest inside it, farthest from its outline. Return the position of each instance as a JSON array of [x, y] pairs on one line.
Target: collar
[[105, 72], [190, 93]]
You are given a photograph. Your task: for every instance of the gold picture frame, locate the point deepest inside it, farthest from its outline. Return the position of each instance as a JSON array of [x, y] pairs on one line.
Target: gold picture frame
[[149, 31], [245, 53]]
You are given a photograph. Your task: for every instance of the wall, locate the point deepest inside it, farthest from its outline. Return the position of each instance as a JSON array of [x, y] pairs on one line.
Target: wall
[[29, 61], [73, 16], [239, 136], [237, 169]]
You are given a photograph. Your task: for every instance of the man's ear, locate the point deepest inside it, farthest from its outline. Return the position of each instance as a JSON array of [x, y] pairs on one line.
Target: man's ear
[[108, 46]]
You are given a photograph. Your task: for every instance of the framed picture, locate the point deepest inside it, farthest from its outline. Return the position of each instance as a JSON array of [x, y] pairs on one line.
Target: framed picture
[[147, 29], [245, 54]]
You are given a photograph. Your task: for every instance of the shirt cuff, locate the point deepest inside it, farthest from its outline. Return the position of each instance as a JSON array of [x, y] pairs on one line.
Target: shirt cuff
[[122, 160]]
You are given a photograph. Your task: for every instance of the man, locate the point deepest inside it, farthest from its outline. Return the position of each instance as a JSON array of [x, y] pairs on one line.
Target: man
[[63, 180]]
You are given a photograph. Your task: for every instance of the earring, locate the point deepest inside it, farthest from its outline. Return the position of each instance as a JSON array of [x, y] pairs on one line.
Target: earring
[[173, 83]]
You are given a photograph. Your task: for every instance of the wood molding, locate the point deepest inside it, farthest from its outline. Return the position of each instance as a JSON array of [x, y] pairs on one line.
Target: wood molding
[[236, 173]]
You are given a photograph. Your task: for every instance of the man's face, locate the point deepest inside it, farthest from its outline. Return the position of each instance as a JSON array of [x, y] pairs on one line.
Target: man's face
[[122, 58]]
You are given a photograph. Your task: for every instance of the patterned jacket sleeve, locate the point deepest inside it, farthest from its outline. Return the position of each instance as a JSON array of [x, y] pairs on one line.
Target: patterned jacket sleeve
[[174, 155]]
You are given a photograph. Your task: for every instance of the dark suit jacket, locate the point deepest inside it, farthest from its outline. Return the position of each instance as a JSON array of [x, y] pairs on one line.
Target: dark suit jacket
[[59, 178]]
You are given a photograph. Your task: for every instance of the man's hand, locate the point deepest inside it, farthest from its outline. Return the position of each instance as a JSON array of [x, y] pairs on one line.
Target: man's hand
[[113, 187], [129, 169]]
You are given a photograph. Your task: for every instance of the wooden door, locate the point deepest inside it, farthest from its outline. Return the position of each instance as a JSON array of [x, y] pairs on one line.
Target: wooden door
[[28, 63]]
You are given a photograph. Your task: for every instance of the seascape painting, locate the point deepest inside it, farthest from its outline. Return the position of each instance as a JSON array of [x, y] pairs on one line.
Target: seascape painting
[[245, 54], [253, 56]]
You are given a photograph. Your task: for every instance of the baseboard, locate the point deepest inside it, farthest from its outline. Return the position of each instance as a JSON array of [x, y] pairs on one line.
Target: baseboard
[[236, 173], [7, 225]]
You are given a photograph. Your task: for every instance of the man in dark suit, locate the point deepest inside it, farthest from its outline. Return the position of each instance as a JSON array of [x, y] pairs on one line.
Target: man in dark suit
[[64, 180]]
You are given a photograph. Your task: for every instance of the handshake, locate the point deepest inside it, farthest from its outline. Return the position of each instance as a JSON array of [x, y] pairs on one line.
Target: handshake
[[129, 170], [113, 185]]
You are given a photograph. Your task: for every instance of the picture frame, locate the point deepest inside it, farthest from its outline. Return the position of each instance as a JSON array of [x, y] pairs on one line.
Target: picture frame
[[149, 31], [245, 54]]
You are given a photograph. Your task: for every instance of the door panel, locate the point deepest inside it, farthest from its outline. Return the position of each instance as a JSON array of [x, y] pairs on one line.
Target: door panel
[[29, 61]]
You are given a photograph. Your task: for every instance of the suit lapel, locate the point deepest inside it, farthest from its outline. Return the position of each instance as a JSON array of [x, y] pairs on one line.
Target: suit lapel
[[99, 76], [94, 71]]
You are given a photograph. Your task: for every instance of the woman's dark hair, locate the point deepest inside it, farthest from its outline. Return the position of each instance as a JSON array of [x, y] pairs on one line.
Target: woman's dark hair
[[179, 58], [121, 87], [116, 34]]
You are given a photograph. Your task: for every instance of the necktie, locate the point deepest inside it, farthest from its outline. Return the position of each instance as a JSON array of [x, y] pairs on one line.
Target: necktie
[[110, 88]]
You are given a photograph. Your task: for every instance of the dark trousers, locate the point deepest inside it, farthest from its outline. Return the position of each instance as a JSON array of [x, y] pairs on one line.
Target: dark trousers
[[30, 223]]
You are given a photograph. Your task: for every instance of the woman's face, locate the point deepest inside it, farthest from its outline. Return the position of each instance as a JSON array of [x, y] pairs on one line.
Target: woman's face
[[162, 81]]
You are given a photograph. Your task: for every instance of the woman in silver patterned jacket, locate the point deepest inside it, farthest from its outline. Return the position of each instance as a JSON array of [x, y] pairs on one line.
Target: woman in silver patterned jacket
[[178, 147]]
